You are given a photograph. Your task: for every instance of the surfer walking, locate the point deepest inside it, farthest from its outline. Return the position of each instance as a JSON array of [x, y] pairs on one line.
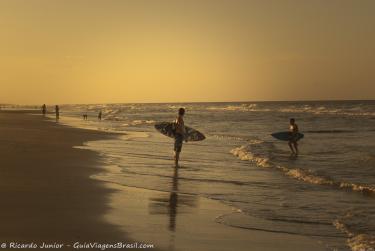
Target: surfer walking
[[179, 135], [293, 128]]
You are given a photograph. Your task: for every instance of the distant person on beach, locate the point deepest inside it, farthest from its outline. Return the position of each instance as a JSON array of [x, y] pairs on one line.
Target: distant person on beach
[[179, 135], [85, 116], [57, 111], [100, 115], [293, 128], [44, 109]]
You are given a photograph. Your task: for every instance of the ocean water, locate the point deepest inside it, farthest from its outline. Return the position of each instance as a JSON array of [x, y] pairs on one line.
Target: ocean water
[[326, 193]]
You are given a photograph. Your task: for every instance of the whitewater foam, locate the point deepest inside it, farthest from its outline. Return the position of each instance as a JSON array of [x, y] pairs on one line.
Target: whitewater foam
[[241, 108], [356, 242], [295, 109], [245, 153]]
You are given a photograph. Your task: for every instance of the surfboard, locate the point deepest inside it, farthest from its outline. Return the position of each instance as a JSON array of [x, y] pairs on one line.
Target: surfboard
[[167, 129], [285, 136]]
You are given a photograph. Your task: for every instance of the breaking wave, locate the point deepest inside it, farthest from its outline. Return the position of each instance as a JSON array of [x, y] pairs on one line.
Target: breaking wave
[[242, 107], [142, 122], [243, 154], [256, 152], [356, 241], [346, 111]]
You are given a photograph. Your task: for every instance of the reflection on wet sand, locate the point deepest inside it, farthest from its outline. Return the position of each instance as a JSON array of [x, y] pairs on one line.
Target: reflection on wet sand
[[174, 204]]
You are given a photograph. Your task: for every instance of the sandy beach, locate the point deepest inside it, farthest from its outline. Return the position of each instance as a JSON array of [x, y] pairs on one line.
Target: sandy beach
[[46, 193], [187, 125], [183, 222], [51, 193]]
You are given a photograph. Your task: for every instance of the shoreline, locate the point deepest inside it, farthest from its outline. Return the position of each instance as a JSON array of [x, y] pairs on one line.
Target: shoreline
[[46, 190], [105, 212], [174, 221]]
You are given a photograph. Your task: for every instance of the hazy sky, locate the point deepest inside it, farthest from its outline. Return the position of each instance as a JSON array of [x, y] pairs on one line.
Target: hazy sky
[[88, 51]]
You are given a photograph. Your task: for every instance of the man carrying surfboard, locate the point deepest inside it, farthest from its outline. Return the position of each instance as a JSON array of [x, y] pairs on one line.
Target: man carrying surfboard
[[293, 128], [179, 132], [179, 135]]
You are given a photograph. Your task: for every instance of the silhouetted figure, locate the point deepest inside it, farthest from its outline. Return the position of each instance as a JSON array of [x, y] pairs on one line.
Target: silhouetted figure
[[293, 128], [57, 111], [85, 116], [180, 135], [44, 109], [100, 115]]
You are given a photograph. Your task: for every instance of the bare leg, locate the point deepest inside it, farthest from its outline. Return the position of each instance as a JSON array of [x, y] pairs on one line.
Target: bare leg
[[296, 147], [291, 146], [176, 158]]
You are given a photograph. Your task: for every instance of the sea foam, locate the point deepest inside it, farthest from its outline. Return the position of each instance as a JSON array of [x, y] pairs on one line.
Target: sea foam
[[256, 152]]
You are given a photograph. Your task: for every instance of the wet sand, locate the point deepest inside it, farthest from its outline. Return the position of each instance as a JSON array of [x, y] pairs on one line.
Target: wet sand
[[45, 190], [52, 192], [175, 221]]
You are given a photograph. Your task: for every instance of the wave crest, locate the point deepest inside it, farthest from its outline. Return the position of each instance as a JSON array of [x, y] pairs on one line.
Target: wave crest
[[256, 152], [317, 110], [242, 153], [242, 108], [356, 242]]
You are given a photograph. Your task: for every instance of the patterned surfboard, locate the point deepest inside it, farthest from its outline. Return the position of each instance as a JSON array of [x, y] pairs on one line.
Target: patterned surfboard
[[167, 128]]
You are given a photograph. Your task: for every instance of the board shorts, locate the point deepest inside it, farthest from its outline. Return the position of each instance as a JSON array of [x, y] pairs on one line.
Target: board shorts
[[178, 139], [293, 138]]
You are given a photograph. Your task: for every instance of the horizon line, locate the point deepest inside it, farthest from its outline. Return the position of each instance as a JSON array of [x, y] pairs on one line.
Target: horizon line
[[197, 102]]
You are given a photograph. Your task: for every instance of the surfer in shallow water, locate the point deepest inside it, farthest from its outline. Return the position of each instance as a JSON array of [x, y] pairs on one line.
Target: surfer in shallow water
[[293, 128], [179, 135]]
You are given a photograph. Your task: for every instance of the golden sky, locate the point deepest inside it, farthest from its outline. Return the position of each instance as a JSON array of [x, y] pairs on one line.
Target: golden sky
[[111, 51]]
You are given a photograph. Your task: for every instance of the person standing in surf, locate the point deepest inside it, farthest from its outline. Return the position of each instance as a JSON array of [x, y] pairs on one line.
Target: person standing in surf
[[293, 128], [57, 112], [44, 109], [179, 135]]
